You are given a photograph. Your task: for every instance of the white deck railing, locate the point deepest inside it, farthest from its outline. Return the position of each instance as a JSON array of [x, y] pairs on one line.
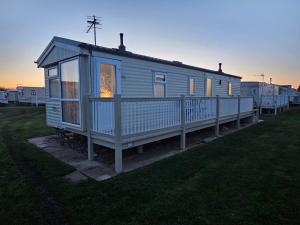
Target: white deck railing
[[272, 101], [139, 115]]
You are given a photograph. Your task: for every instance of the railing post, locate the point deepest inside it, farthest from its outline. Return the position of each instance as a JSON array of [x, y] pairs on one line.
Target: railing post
[[238, 122], [183, 135], [89, 127], [217, 126], [255, 113], [118, 135], [275, 103]]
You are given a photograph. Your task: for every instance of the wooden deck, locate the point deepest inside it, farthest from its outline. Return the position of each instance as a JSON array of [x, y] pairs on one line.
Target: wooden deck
[[274, 103], [122, 123]]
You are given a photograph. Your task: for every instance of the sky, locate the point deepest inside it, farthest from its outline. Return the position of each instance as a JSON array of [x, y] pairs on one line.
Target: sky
[[249, 37]]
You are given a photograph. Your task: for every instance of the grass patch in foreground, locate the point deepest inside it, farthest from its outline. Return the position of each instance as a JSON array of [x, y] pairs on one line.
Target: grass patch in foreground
[[248, 177]]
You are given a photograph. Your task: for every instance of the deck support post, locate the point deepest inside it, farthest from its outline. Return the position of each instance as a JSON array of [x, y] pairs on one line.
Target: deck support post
[[238, 121], [183, 134], [118, 135], [90, 143], [255, 113], [217, 126], [90, 148], [260, 110], [275, 104], [140, 149]]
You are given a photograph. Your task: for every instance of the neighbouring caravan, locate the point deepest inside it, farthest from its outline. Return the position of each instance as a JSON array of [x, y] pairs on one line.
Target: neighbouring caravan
[[3, 98], [291, 92], [266, 96], [12, 96], [31, 95], [121, 100]]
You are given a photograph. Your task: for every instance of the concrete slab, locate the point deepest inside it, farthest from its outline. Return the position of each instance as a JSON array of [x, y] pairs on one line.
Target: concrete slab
[[83, 168], [75, 177]]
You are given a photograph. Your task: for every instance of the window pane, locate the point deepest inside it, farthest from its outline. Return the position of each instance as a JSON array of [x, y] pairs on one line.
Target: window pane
[[159, 90], [53, 88], [108, 80], [160, 77], [209, 87], [71, 112], [52, 72], [229, 88], [192, 86], [70, 79]]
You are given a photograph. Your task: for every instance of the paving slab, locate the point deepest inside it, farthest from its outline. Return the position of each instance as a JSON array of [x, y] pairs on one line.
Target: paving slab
[[83, 168]]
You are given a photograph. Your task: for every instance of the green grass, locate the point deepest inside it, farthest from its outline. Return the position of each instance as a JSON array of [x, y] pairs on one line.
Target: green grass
[[248, 177]]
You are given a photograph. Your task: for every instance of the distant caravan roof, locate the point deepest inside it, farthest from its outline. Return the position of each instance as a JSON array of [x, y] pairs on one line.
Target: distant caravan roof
[[129, 54]]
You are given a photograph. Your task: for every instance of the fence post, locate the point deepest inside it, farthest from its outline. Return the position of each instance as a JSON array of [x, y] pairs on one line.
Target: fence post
[[238, 123], [89, 127], [183, 135], [217, 126], [118, 135]]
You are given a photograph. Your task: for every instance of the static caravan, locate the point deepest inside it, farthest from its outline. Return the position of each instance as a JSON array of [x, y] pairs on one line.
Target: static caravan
[[3, 98], [31, 95], [266, 96], [289, 91], [12, 96], [121, 100]]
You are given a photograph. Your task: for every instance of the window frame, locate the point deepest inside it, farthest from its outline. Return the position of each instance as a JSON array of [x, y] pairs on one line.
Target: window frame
[[96, 86], [70, 99], [164, 83], [229, 88], [51, 68], [189, 86], [50, 78], [212, 86]]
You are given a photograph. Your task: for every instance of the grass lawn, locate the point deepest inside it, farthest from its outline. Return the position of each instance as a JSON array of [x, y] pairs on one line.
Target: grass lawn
[[248, 177]]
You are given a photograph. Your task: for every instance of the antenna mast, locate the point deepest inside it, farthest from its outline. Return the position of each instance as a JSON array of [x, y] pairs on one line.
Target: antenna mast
[[93, 22]]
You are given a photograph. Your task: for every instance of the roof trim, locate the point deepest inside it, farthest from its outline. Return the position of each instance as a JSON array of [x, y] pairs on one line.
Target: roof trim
[[115, 51]]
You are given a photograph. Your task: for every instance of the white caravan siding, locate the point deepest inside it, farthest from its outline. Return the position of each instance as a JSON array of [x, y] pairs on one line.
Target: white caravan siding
[[137, 78]]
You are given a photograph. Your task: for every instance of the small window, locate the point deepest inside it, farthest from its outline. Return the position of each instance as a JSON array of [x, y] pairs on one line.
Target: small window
[[220, 82], [191, 86], [209, 87], [52, 72], [54, 88], [53, 82], [229, 88], [159, 85], [33, 92]]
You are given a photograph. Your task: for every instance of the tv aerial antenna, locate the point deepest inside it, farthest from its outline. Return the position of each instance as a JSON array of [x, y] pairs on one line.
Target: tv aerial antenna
[[93, 22]]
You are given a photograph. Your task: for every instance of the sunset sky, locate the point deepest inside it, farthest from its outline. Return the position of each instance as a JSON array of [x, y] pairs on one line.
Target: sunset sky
[[249, 37]]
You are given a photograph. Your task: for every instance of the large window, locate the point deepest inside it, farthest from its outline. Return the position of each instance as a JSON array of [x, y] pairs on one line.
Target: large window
[[53, 82], [70, 92], [108, 80], [229, 88], [208, 87], [191, 86], [159, 85]]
